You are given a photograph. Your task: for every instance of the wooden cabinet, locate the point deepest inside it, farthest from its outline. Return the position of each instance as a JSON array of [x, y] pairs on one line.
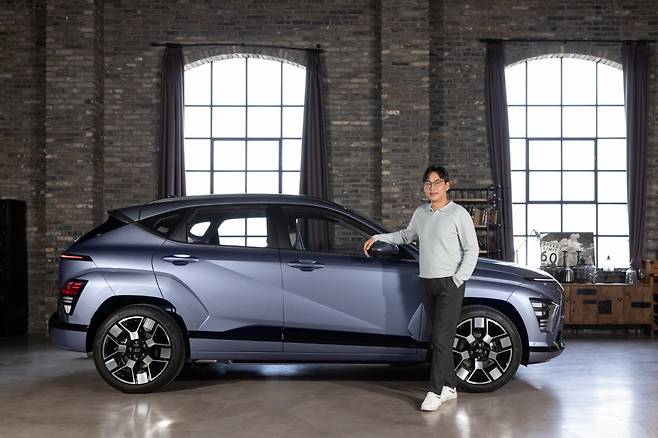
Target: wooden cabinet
[[608, 304], [637, 304]]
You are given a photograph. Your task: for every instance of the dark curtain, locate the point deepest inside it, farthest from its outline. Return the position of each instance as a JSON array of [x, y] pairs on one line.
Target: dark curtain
[[498, 136], [313, 177], [635, 62], [172, 172]]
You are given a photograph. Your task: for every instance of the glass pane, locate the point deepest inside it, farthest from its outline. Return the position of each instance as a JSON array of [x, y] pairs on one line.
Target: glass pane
[[517, 154], [197, 183], [613, 219], [612, 187], [516, 118], [197, 85], [578, 186], [534, 252], [293, 119], [579, 121], [263, 155], [518, 219], [257, 226], [544, 155], [229, 182], [231, 227], [544, 186], [544, 81], [197, 154], [263, 82], [612, 154], [198, 230], [263, 182], [264, 122], [257, 242], [612, 121], [578, 155], [616, 248], [515, 84], [232, 241], [294, 84], [520, 250], [197, 122], [518, 186], [229, 79], [290, 181], [228, 122], [543, 121], [544, 218], [579, 218], [229, 155], [292, 154], [578, 82], [611, 85]]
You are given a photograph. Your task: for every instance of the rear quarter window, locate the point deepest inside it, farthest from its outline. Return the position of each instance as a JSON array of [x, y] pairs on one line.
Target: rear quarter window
[[163, 224], [112, 223]]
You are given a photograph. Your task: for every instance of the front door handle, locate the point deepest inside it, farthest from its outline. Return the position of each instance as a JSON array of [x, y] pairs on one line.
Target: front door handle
[[180, 259], [306, 265]]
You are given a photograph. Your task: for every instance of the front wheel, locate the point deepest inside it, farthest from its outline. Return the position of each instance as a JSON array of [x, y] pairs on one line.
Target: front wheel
[[487, 349], [139, 349]]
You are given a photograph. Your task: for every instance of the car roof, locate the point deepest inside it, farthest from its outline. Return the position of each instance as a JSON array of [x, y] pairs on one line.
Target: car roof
[[137, 212]]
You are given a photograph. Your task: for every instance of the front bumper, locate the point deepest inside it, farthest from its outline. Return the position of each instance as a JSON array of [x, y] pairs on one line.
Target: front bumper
[[544, 354], [67, 336]]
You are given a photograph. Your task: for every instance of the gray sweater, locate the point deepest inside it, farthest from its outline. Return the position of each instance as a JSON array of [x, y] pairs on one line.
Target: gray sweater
[[447, 240]]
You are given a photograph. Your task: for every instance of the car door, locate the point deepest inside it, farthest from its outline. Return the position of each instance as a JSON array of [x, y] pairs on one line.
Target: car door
[[221, 270], [335, 298]]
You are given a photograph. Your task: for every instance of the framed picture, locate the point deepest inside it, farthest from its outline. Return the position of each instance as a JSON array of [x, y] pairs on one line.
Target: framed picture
[[554, 245]]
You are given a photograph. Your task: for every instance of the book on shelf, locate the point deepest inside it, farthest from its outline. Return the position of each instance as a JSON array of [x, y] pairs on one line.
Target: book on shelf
[[482, 216]]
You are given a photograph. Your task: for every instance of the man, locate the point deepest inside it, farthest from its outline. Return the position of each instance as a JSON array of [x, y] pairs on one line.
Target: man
[[448, 254]]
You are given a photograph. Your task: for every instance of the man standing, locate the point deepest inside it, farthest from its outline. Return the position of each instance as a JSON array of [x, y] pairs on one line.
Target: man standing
[[448, 254]]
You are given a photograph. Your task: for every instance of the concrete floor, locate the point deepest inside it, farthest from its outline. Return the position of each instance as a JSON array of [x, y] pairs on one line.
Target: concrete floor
[[603, 386]]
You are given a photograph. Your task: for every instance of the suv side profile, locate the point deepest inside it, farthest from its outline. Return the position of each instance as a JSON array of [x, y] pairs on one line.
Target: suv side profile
[[280, 278]]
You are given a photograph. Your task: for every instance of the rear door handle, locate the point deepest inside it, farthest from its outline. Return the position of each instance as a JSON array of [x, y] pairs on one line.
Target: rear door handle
[[306, 265], [180, 259]]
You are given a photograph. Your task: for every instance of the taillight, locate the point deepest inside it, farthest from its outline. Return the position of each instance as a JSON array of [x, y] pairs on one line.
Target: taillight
[[70, 292], [66, 256]]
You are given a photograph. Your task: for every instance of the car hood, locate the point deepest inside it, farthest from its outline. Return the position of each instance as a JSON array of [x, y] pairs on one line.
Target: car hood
[[512, 269]]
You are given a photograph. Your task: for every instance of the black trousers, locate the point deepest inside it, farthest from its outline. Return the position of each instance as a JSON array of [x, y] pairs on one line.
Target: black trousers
[[443, 303]]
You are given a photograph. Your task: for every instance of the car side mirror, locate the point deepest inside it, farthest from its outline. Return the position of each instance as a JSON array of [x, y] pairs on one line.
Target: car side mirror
[[383, 250]]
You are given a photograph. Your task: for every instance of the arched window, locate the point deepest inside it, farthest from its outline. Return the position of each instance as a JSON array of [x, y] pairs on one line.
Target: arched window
[[568, 154], [243, 126]]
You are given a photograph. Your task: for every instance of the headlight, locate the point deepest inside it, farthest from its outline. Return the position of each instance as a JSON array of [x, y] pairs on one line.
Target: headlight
[[546, 312]]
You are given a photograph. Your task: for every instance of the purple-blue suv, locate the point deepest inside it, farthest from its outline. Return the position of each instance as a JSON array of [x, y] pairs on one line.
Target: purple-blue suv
[[280, 278]]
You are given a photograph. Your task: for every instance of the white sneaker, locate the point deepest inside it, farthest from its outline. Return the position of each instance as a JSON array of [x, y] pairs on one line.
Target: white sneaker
[[431, 402], [448, 393]]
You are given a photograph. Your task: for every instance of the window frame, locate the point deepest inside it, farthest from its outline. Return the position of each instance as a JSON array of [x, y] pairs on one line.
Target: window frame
[[561, 139], [212, 139]]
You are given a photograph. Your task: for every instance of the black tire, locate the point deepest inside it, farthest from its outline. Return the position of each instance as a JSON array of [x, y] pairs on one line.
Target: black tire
[[487, 349], [139, 349]]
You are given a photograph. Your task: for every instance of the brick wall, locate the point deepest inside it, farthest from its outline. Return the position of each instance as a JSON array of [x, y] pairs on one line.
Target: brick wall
[[22, 130], [79, 117]]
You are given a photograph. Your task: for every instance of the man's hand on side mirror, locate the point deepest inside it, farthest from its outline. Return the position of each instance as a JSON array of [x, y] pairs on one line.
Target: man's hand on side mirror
[[366, 246]]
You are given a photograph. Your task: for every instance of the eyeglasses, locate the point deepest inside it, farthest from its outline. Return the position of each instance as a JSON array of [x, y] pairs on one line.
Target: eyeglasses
[[432, 184]]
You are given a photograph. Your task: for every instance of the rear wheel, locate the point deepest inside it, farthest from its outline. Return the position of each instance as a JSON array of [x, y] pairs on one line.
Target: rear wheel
[[487, 349], [139, 349]]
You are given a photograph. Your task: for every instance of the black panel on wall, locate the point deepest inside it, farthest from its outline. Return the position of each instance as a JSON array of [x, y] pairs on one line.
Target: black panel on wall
[[13, 268]]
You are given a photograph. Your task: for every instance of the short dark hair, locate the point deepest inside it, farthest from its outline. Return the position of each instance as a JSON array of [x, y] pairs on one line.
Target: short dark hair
[[440, 170]]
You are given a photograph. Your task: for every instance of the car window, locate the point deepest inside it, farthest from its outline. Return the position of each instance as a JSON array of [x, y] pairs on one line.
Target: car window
[[229, 226], [311, 229], [163, 223]]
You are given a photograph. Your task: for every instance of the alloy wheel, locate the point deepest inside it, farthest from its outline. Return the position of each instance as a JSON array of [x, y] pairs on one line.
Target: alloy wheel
[[136, 350], [482, 350]]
